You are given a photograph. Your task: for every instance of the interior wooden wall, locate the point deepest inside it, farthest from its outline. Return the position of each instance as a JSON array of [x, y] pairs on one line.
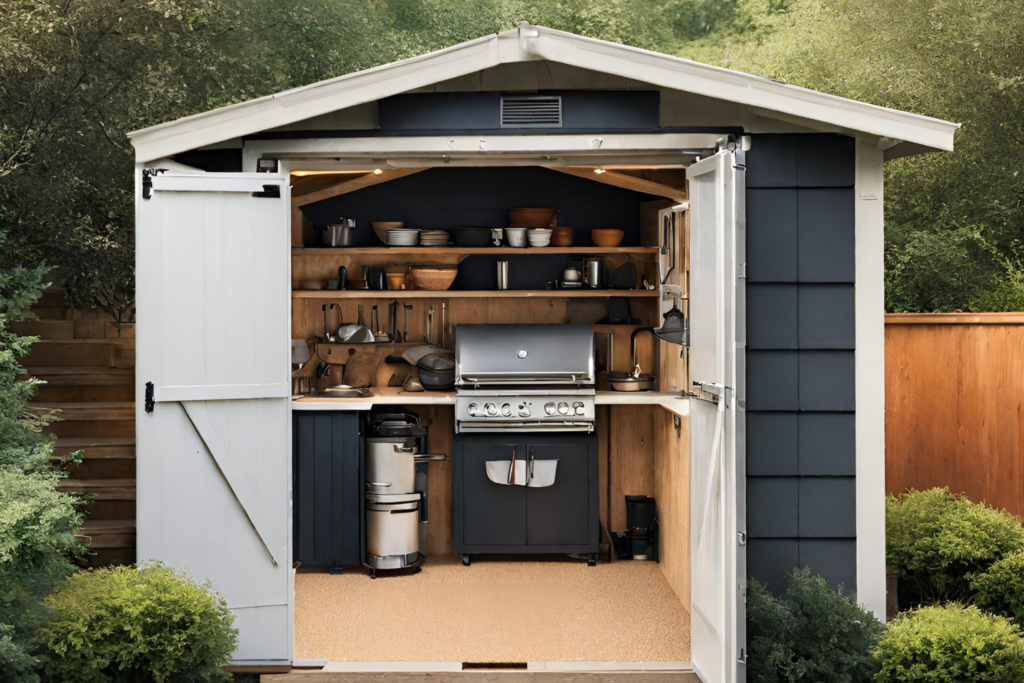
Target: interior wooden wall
[[954, 404], [672, 490], [648, 455]]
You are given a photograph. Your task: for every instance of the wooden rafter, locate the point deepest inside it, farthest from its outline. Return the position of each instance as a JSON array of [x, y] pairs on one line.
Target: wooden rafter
[[625, 181], [352, 184], [299, 220]]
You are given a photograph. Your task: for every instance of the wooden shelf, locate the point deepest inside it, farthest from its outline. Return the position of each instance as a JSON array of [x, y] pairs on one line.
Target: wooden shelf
[[466, 251], [471, 294]]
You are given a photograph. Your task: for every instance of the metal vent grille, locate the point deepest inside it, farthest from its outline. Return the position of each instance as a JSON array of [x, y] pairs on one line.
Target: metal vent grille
[[531, 111]]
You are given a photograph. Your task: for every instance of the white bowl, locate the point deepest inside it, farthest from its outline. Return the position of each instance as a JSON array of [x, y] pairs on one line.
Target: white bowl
[[516, 236]]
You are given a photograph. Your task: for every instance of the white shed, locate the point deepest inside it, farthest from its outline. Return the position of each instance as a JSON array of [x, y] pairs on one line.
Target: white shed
[[758, 202]]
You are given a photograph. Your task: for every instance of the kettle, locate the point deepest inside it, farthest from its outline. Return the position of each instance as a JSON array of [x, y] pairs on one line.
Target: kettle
[[571, 273]]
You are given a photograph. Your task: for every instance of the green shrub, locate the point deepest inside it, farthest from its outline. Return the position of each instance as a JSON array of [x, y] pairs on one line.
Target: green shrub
[[809, 633], [37, 523], [1001, 588], [150, 622], [939, 542], [950, 644]]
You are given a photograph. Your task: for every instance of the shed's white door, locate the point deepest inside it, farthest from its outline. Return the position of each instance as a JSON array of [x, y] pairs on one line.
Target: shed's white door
[[717, 495], [213, 450]]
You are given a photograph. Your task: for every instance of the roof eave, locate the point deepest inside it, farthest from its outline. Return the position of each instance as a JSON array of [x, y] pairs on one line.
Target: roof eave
[[724, 84]]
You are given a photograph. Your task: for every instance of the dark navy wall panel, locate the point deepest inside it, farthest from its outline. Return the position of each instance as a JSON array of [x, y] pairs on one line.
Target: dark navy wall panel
[[824, 160], [825, 234], [776, 499], [801, 450], [826, 317], [826, 444], [776, 451], [826, 380], [443, 198], [772, 321], [618, 110], [835, 559], [772, 233], [773, 380]]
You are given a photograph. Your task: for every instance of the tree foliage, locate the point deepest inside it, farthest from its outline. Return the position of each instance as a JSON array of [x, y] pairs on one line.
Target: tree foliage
[[960, 60], [76, 76]]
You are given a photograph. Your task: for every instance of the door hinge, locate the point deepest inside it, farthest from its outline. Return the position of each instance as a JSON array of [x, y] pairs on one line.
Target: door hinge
[[741, 538], [147, 180], [741, 271], [271, 191], [150, 400]]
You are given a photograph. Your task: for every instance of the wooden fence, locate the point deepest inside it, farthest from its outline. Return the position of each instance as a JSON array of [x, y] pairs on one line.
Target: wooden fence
[[954, 405]]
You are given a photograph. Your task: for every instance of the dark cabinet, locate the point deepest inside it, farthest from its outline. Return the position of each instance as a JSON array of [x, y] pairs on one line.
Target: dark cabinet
[[499, 518], [327, 489]]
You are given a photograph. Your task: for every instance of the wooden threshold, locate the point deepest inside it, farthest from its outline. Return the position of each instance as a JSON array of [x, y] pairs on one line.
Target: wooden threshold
[[473, 294]]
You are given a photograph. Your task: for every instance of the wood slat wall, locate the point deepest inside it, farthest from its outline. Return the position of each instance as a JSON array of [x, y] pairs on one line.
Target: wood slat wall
[[954, 399]]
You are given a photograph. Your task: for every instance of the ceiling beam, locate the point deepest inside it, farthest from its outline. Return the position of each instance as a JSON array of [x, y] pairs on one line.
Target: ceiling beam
[[625, 181], [351, 185]]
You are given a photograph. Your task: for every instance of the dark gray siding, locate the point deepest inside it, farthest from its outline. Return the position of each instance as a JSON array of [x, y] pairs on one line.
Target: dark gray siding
[[800, 361]]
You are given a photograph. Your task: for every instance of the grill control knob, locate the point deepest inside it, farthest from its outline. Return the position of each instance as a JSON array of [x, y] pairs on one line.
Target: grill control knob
[[578, 407], [506, 410], [491, 409], [473, 408], [549, 408], [524, 410], [563, 408]]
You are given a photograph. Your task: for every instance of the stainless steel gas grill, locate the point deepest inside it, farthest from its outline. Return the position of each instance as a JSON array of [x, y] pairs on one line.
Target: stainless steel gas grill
[[524, 377]]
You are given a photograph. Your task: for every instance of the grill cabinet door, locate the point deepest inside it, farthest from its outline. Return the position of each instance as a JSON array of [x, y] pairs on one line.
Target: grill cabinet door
[[213, 327], [717, 508], [560, 514]]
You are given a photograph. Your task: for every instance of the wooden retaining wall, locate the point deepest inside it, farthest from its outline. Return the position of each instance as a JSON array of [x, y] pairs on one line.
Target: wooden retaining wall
[[954, 404]]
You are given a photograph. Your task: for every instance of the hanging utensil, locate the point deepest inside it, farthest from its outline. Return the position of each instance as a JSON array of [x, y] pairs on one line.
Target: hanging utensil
[[408, 310]]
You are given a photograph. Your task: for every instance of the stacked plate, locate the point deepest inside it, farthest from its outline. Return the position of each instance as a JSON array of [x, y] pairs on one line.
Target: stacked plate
[[433, 238], [539, 237], [401, 237]]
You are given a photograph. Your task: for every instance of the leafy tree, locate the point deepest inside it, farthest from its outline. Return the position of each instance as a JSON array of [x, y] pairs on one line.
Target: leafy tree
[[961, 60]]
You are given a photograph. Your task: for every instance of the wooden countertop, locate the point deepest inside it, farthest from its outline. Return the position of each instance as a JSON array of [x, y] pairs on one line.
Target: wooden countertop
[[680, 405]]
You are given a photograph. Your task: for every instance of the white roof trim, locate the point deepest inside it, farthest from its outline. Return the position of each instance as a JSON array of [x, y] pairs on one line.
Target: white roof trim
[[735, 86], [525, 44]]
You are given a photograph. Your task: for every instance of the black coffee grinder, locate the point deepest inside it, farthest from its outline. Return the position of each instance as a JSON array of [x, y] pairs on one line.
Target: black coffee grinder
[[640, 540]]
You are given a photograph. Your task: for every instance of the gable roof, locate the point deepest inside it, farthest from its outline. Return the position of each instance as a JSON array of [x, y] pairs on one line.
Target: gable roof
[[531, 43]]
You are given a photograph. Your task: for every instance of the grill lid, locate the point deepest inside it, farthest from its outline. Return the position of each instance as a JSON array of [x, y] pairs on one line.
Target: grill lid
[[524, 354]]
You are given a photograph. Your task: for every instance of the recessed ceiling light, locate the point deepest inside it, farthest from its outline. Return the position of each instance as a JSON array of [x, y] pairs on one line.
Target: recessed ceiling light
[[599, 171], [377, 171]]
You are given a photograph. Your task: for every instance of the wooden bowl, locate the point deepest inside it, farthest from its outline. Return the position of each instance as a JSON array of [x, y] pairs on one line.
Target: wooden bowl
[[531, 218], [433, 276], [561, 236], [380, 228], [603, 237]]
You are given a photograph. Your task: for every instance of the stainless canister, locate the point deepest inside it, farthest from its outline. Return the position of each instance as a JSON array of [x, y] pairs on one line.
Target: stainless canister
[[392, 528], [502, 274], [593, 273]]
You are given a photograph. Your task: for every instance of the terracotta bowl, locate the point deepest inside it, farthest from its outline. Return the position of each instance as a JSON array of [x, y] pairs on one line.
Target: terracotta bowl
[[606, 238], [432, 276], [531, 218], [561, 236], [380, 228], [397, 281]]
